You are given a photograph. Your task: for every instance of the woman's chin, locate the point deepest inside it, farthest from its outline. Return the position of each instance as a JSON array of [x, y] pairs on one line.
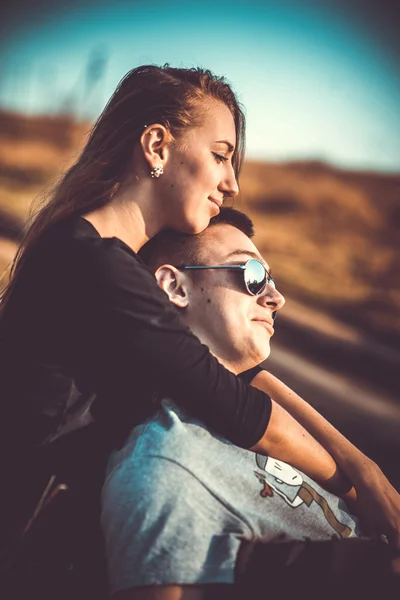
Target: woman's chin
[[196, 226]]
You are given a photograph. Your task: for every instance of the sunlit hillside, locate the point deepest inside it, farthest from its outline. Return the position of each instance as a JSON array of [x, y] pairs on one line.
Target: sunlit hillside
[[331, 236]]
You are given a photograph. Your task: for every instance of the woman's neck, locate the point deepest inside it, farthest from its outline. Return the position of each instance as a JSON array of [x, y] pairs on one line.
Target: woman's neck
[[133, 222]]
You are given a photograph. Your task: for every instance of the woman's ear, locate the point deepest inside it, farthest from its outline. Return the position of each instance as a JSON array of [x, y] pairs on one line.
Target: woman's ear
[[155, 141], [174, 283]]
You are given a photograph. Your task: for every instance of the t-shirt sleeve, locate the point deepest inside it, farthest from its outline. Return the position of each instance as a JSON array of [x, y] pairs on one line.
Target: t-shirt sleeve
[[162, 526], [134, 329]]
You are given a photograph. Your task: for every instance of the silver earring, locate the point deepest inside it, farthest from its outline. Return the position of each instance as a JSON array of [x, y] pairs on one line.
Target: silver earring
[[156, 172]]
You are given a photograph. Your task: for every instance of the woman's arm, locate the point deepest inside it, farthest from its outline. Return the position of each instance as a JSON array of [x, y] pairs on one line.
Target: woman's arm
[[377, 501], [137, 334], [351, 460], [287, 440]]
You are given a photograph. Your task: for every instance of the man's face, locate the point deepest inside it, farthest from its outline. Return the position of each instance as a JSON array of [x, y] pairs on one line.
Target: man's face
[[236, 326]]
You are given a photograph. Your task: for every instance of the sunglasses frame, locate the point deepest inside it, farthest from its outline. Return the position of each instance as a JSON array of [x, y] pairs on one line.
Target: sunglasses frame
[[268, 277]]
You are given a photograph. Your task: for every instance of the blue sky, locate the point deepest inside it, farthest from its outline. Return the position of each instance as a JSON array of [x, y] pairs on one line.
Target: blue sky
[[315, 84]]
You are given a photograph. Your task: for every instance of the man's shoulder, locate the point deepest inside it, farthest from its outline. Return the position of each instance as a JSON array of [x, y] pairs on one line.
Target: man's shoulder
[[172, 435], [161, 516]]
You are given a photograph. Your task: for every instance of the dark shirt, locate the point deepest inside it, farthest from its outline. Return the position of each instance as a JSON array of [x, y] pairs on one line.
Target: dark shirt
[[87, 334]]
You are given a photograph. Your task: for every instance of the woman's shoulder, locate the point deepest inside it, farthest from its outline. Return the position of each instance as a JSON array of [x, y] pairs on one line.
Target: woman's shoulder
[[75, 261], [78, 232], [75, 243]]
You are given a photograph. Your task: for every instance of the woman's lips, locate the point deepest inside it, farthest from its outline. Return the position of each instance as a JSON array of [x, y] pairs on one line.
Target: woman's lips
[[217, 202], [215, 207]]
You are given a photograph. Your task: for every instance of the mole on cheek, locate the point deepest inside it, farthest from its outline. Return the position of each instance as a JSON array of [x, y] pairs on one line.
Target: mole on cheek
[[209, 300], [202, 289], [172, 185]]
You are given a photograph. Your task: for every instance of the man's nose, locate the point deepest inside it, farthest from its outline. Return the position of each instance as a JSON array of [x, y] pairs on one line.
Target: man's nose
[[272, 298]]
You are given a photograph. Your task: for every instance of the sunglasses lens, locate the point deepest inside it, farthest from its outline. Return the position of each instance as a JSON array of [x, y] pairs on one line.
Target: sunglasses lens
[[255, 277]]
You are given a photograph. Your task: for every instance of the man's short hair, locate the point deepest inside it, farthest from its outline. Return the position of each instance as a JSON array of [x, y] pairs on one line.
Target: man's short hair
[[176, 248]]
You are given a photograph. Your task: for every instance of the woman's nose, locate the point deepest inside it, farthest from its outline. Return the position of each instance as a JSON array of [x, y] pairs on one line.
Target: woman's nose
[[229, 185]]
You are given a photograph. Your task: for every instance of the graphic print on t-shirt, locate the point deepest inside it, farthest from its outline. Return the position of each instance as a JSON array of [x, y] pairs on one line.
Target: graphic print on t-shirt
[[289, 484]]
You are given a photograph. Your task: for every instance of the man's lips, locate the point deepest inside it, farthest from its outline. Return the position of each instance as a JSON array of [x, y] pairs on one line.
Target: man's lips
[[268, 324]]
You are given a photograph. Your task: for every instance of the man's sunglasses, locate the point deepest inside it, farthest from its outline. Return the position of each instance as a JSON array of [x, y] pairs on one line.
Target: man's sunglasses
[[256, 277]]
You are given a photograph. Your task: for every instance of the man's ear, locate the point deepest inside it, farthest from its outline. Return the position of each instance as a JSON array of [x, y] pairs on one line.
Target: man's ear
[[174, 283], [155, 141]]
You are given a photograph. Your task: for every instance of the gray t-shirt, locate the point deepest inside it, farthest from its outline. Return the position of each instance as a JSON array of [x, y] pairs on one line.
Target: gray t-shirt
[[178, 500]]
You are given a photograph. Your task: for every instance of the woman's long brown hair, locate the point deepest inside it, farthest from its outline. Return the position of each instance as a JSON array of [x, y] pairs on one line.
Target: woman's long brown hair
[[148, 94]]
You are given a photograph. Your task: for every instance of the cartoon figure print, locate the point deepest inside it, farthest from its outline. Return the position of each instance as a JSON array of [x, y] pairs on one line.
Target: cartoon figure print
[[279, 477]]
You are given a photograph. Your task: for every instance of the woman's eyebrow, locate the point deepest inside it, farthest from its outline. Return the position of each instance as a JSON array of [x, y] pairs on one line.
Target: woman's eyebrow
[[230, 146]]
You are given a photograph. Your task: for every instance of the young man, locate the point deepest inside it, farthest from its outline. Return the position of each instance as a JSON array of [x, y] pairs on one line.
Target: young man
[[178, 499]]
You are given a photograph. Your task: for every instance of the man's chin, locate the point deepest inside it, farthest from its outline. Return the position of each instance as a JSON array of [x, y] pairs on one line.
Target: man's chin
[[264, 355], [263, 350], [256, 360]]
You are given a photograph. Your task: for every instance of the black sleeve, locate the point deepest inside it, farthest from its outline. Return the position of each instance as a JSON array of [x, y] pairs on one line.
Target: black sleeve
[[132, 322], [249, 375]]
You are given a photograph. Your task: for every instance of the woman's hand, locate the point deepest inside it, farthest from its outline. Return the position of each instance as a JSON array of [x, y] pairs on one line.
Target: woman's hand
[[377, 504], [373, 498]]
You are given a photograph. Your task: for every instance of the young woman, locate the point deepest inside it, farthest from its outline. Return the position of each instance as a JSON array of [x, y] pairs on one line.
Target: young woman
[[82, 315], [85, 332]]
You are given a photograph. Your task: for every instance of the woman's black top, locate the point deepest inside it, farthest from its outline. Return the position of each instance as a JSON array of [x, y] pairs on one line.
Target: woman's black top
[[86, 327]]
